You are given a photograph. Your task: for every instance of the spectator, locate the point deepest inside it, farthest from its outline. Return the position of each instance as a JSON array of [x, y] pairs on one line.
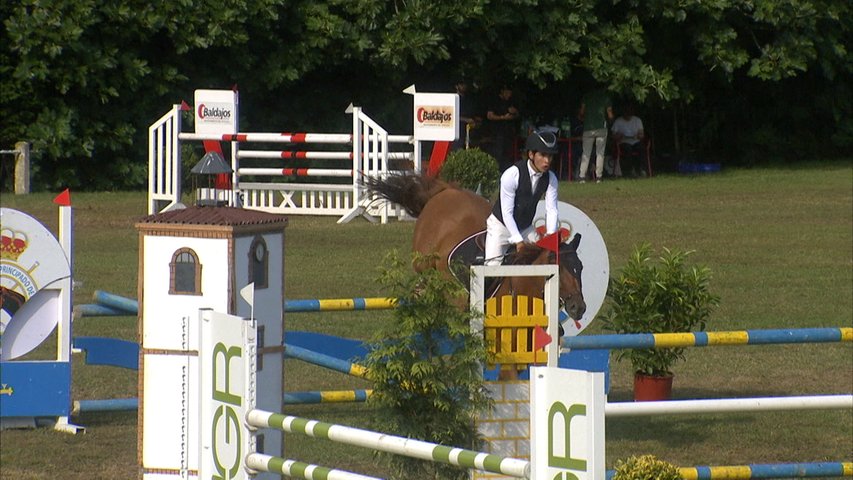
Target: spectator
[[596, 111], [468, 116], [576, 135], [628, 135], [503, 115]]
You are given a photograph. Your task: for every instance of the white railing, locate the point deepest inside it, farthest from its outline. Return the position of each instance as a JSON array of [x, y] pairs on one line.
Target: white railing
[[369, 155]]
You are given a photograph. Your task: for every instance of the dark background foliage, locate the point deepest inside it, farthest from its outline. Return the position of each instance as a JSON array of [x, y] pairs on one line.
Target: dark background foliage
[[726, 81]]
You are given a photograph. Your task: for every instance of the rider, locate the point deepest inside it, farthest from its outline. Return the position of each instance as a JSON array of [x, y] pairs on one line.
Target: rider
[[522, 186]]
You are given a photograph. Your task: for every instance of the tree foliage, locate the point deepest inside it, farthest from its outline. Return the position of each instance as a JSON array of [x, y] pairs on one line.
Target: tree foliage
[[645, 467], [82, 80], [473, 169], [427, 368]]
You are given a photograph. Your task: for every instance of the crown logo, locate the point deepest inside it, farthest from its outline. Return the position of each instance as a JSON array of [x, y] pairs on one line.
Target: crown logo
[[12, 244]]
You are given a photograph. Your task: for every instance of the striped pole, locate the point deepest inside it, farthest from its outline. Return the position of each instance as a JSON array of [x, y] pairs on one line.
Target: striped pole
[[286, 137], [292, 468], [295, 172], [766, 470], [326, 361], [315, 155], [274, 154], [338, 304], [705, 339], [391, 444], [327, 396], [112, 304]]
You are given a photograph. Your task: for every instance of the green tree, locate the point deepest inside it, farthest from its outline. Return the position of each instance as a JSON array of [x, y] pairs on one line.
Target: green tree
[[81, 80], [427, 368]]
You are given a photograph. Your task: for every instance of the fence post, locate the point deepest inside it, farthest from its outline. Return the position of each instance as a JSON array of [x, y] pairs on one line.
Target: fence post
[[22, 168]]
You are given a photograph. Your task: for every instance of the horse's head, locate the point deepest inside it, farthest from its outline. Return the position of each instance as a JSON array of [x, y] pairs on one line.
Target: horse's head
[[571, 287], [571, 268]]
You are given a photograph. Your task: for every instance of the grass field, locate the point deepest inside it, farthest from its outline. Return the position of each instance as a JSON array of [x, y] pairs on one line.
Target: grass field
[[779, 242]]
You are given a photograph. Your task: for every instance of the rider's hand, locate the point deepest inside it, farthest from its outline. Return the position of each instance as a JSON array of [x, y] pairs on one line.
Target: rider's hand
[[520, 246]]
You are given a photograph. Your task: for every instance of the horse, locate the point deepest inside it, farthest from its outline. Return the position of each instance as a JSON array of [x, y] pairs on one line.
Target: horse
[[449, 217], [10, 302]]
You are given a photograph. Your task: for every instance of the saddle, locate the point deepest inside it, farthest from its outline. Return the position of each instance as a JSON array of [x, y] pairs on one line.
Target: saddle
[[468, 252]]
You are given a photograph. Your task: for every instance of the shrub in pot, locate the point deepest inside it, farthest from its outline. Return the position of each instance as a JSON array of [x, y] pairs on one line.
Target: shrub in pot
[[658, 294], [645, 467], [472, 169]]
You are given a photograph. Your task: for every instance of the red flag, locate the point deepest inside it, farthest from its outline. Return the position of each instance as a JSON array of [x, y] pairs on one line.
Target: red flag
[[550, 242], [540, 338], [63, 198]]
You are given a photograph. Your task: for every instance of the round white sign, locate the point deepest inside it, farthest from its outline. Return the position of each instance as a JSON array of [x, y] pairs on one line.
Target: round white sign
[[592, 253], [31, 260]]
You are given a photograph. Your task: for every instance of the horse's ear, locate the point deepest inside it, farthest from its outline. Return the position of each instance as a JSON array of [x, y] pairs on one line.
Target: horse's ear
[[575, 242]]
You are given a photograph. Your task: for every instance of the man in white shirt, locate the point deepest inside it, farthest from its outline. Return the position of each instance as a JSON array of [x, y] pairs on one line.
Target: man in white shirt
[[522, 186], [628, 134]]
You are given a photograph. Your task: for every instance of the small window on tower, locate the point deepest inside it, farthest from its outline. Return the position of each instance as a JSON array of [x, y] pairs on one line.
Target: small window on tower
[[185, 272], [259, 263]]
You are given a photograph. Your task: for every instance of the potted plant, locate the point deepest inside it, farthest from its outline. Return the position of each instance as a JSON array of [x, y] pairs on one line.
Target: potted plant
[[645, 467], [657, 295], [473, 169]]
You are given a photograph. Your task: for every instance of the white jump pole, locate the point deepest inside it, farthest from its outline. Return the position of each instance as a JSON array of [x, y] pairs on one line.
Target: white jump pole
[[722, 405]]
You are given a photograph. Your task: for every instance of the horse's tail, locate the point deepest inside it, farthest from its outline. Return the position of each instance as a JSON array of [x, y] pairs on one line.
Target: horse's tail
[[410, 191]]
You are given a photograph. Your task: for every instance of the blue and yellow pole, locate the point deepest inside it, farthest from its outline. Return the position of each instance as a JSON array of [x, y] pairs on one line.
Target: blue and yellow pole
[[340, 304], [323, 360], [704, 339]]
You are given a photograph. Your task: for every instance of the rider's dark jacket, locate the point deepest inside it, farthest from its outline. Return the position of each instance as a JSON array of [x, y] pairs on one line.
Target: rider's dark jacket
[[526, 198]]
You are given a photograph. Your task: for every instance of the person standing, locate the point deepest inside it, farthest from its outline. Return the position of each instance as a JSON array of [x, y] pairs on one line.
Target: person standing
[[503, 114], [468, 117], [596, 110], [522, 186]]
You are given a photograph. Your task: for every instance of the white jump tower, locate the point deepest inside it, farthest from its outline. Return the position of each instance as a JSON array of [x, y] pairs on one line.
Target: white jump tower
[[202, 258]]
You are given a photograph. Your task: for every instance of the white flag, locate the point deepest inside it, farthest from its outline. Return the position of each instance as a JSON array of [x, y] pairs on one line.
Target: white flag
[[248, 294]]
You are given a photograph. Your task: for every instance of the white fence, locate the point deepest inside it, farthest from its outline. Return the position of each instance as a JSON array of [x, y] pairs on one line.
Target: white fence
[[341, 194]]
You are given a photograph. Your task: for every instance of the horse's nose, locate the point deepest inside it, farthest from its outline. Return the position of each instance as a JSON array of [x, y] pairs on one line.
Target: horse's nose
[[576, 308]]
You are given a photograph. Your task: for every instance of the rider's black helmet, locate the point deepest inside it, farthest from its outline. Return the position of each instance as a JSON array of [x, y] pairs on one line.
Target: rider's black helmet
[[545, 142]]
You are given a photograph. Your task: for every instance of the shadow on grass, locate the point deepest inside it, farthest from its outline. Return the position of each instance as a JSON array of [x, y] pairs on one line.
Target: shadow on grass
[[100, 419]]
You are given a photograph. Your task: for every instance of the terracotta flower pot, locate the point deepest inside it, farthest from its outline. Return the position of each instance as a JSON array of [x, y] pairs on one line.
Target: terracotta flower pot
[[649, 388]]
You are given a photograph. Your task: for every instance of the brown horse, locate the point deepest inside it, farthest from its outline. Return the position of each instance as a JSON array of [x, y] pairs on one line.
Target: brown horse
[[447, 215]]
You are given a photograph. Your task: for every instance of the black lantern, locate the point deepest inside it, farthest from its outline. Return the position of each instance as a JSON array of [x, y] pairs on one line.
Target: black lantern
[[211, 181]]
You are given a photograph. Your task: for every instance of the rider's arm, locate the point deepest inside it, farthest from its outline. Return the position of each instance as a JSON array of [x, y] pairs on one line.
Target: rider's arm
[[552, 212], [509, 184]]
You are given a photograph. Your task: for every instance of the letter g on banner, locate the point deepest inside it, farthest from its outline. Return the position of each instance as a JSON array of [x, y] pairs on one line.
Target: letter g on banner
[[232, 424]]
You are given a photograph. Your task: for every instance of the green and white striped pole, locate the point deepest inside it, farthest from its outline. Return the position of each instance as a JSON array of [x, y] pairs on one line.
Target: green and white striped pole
[[294, 469], [391, 444]]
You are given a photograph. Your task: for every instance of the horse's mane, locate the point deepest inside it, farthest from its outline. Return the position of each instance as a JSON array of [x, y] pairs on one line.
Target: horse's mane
[[411, 191], [527, 255], [531, 252]]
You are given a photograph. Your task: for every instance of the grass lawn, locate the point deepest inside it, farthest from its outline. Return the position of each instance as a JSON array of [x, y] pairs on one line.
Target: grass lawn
[[778, 240]]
